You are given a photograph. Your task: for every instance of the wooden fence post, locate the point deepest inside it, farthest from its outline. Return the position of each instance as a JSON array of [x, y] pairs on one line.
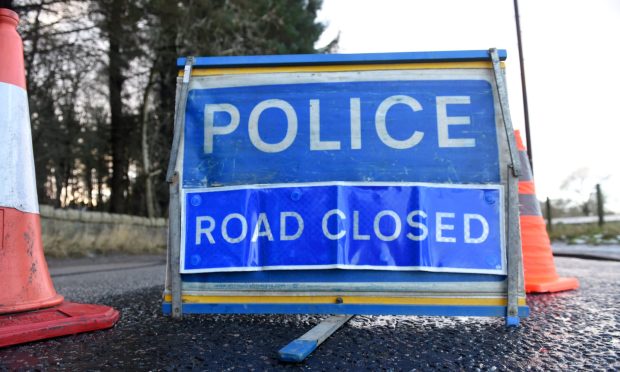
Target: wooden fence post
[[549, 217], [599, 205]]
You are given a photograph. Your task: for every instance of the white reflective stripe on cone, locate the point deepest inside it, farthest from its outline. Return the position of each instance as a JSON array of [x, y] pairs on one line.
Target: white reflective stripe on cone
[[18, 188]]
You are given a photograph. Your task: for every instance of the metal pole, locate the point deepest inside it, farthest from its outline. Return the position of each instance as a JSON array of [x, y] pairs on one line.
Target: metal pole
[[174, 212], [599, 205], [526, 114], [174, 246], [514, 258], [500, 82]]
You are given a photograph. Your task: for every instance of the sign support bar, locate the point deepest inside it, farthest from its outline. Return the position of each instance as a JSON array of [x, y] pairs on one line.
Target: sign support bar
[[514, 170], [174, 209], [174, 241], [503, 103], [513, 251], [299, 349], [179, 119]]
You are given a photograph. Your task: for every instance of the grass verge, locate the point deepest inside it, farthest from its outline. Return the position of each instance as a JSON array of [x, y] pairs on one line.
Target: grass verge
[[590, 233]]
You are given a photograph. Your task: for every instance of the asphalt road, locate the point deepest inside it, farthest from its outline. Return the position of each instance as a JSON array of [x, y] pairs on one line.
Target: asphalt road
[[565, 331]]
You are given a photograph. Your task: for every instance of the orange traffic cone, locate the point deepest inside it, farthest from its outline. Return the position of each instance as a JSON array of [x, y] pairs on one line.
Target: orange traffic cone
[[538, 266], [26, 284]]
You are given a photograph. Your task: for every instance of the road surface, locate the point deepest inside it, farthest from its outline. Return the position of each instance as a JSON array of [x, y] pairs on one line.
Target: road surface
[[566, 331]]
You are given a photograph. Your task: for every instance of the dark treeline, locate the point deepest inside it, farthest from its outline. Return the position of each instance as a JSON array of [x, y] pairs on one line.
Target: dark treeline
[[101, 79]]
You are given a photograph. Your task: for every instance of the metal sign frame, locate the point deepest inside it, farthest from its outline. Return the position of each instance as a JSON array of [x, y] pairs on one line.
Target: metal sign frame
[[414, 293]]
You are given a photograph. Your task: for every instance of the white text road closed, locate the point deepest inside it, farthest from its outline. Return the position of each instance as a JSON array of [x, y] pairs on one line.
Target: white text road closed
[[345, 225], [289, 225]]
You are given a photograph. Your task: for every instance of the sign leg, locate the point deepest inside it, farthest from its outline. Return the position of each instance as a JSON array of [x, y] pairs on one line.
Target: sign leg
[[174, 211], [174, 236], [299, 349]]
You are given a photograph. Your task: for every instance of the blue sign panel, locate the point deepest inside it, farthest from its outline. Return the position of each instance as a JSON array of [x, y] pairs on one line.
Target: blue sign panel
[[402, 226], [435, 130]]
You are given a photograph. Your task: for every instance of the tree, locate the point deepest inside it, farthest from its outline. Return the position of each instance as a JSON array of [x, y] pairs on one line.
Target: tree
[[118, 21], [212, 28], [102, 79], [59, 61]]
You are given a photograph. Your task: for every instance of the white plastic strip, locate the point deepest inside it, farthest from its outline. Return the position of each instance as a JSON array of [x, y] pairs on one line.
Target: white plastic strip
[[18, 187]]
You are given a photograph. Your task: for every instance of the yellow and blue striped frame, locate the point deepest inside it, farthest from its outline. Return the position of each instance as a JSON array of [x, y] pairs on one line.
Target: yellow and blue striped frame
[[243, 302]]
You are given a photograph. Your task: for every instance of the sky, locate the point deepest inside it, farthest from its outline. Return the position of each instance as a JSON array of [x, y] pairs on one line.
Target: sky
[[571, 52]]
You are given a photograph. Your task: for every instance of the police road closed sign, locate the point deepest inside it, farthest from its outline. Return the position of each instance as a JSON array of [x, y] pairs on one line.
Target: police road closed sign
[[431, 227], [344, 184], [307, 133]]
